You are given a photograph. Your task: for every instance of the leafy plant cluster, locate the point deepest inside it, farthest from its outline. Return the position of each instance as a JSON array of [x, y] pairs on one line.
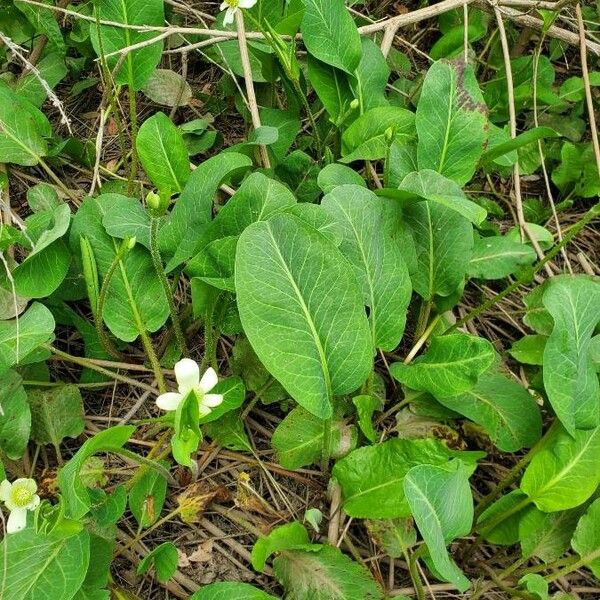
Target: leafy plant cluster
[[343, 249]]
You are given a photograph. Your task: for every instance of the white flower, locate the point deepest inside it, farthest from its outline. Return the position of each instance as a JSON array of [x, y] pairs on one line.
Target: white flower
[[187, 374], [19, 497], [232, 6]]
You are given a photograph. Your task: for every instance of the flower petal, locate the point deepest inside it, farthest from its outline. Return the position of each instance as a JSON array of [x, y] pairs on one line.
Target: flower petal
[[17, 520], [187, 374], [229, 16], [169, 401], [209, 380], [5, 488], [212, 400], [29, 484], [224, 5], [35, 502], [247, 3]]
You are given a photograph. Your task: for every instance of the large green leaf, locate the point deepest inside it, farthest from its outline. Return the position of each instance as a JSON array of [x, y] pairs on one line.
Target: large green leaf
[[430, 185], [290, 536], [163, 154], [42, 566], [570, 377], [332, 87], [376, 258], [134, 287], [302, 311], [451, 121], [45, 23], [140, 63], [451, 365], [498, 256], [23, 130], [15, 417], [182, 233], [329, 34], [443, 242], [326, 574], [55, 414], [547, 535], [442, 505], [564, 474], [298, 439], [371, 77], [505, 409], [586, 540], [372, 477], [18, 338], [370, 136]]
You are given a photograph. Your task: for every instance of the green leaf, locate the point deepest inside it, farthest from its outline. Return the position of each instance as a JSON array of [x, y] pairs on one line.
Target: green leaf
[[523, 139], [226, 590], [228, 431], [430, 185], [45, 23], [371, 77], [451, 365], [76, 496], [164, 560], [498, 256], [329, 34], [163, 154], [56, 414], [147, 497], [181, 234], [442, 505], [128, 218], [334, 174], [291, 536], [234, 393], [23, 130], [18, 339], [300, 305], [52, 70], [451, 121], [372, 477], [503, 531], [395, 536], [134, 289], [370, 136], [324, 575], [564, 473], [168, 88], [547, 535], [377, 261], [536, 585], [38, 564], [529, 350], [505, 409], [332, 87], [365, 407], [298, 439], [570, 377], [138, 64], [15, 417], [586, 540], [187, 435], [443, 242]]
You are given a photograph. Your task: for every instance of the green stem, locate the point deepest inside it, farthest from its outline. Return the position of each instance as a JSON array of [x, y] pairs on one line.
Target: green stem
[[326, 453], [134, 130], [414, 572], [577, 564], [158, 266], [528, 275], [146, 462]]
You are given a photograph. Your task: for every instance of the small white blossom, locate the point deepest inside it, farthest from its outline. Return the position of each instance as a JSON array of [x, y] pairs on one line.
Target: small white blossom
[[187, 374], [232, 6], [18, 497]]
